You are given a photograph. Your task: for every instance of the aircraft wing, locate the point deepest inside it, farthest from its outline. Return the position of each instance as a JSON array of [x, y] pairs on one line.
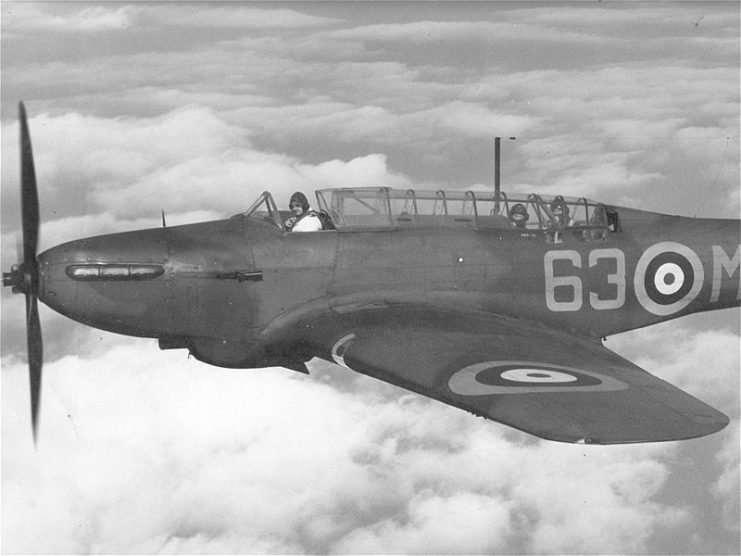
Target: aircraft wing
[[545, 382]]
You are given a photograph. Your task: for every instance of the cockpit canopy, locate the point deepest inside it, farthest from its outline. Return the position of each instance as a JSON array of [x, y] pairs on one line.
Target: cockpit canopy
[[377, 208]]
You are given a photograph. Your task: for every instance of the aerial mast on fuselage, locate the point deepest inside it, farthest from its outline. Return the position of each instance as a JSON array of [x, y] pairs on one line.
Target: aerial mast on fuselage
[[497, 166]]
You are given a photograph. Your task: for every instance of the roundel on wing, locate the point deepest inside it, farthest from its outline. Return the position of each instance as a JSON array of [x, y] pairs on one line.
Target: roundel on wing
[[527, 377], [668, 277]]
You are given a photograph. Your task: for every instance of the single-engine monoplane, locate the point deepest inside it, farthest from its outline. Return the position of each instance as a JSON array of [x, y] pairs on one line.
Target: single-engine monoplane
[[493, 303]]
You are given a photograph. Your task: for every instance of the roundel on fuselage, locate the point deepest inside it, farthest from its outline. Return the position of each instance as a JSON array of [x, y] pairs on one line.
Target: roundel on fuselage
[[668, 277]]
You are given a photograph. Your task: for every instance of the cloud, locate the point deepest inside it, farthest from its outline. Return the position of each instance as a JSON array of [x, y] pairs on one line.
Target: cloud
[[77, 227], [183, 161], [436, 524], [375, 470], [242, 17], [632, 147], [451, 32], [631, 131], [543, 36], [726, 487], [24, 18], [582, 167], [615, 20], [82, 151], [472, 120], [677, 353], [230, 182], [705, 364], [67, 19], [384, 127]]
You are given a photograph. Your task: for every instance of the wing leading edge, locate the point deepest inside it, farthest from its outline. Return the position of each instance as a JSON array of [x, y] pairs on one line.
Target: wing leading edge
[[551, 384]]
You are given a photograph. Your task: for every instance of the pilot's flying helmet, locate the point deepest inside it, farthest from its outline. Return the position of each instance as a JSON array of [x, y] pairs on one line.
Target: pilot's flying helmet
[[299, 198], [559, 208], [518, 214]]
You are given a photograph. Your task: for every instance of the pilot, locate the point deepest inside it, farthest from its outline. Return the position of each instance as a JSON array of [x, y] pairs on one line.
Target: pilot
[[560, 213], [518, 215], [304, 219]]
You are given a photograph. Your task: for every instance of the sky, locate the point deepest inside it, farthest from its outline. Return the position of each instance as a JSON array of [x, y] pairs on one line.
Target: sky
[[195, 109]]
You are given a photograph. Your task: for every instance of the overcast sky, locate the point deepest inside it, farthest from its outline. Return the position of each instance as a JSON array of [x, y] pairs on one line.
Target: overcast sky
[[196, 109]]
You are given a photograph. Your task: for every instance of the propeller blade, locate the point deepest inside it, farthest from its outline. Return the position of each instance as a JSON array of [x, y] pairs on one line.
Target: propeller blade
[[29, 193], [25, 278], [35, 357]]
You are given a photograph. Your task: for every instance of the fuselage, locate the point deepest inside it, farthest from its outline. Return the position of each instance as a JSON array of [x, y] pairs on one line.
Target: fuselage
[[217, 287]]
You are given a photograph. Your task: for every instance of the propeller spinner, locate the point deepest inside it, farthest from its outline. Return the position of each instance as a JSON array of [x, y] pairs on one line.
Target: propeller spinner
[[24, 277]]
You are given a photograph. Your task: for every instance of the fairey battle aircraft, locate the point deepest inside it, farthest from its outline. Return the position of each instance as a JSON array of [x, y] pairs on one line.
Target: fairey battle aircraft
[[494, 304]]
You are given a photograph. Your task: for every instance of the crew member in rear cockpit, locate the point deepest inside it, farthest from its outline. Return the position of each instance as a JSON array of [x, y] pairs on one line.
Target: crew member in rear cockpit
[[560, 212], [304, 219]]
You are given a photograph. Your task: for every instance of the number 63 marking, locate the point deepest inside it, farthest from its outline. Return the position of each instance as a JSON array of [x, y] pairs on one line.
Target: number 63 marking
[[572, 301]]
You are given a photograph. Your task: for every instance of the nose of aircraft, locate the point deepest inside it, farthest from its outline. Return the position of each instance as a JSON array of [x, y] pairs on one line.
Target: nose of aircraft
[[114, 282]]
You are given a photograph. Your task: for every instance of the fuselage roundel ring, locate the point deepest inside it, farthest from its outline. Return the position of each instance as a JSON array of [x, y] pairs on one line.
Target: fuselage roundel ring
[[668, 277]]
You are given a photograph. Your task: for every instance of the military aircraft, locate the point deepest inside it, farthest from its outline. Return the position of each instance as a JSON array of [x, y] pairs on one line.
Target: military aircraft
[[495, 304]]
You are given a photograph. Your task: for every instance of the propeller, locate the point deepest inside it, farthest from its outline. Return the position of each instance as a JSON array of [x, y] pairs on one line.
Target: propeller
[[24, 276]]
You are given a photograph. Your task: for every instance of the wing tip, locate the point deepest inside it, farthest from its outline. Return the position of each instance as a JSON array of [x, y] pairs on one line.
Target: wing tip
[[695, 425]]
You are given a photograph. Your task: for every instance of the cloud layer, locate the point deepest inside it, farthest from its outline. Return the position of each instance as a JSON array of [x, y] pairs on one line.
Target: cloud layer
[[200, 460]]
